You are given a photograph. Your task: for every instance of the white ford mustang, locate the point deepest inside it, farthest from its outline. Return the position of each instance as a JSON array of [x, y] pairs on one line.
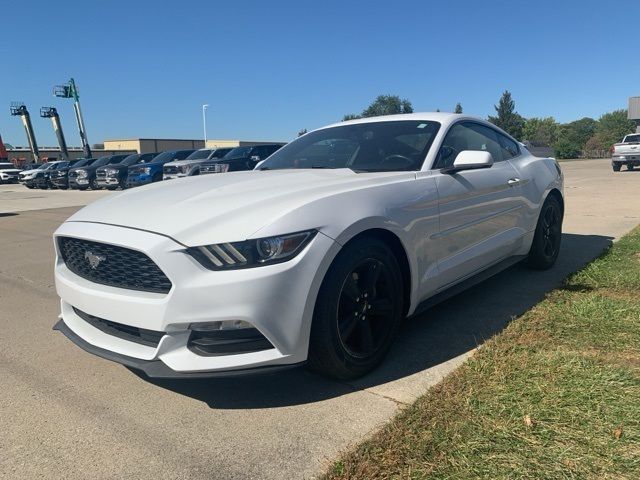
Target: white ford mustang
[[315, 257]]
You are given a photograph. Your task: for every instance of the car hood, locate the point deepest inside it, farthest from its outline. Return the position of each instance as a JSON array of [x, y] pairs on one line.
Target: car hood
[[225, 207], [180, 163], [11, 170], [116, 166]]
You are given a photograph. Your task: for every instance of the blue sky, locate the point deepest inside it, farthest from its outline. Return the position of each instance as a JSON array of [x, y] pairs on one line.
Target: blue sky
[[269, 69]]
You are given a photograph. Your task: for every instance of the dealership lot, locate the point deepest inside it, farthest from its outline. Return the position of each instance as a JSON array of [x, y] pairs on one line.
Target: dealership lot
[[67, 413]]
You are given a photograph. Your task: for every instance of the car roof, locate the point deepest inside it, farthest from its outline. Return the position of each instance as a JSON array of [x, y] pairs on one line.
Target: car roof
[[444, 118]]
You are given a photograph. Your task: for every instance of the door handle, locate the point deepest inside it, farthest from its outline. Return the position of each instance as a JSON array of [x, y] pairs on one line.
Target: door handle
[[513, 182]]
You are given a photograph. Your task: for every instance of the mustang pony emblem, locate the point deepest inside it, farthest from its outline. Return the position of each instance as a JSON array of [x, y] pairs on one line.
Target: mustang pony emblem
[[93, 259]]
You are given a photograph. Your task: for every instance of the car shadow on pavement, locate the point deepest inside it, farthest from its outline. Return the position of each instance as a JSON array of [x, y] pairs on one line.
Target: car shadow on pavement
[[441, 333]]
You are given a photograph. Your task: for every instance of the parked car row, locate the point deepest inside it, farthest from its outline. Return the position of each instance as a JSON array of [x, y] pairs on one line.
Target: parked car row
[[127, 171]]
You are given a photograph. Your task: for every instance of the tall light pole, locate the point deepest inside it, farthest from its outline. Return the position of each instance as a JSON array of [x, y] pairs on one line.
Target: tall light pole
[[204, 122]]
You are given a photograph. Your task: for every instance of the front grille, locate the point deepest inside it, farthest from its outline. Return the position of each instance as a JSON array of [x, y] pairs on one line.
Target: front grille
[[170, 169], [112, 265], [101, 174], [150, 338], [73, 174]]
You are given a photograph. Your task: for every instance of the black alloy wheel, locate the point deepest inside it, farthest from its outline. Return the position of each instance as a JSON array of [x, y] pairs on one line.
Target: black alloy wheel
[[365, 309], [548, 236], [358, 310]]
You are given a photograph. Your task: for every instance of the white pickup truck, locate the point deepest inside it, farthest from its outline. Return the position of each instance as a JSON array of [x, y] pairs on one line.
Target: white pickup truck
[[626, 152]]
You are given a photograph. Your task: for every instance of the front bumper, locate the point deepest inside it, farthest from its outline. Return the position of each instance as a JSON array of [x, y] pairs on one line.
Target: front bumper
[[277, 300], [138, 179], [9, 178], [34, 182], [172, 176], [156, 368], [626, 160], [60, 181], [107, 182], [78, 182]]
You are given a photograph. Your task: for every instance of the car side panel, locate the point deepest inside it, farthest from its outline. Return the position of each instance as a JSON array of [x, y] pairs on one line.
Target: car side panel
[[407, 208], [539, 176]]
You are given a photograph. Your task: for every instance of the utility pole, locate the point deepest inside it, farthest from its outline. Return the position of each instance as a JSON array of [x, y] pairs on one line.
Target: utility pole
[[70, 90], [19, 109], [52, 113], [204, 122]]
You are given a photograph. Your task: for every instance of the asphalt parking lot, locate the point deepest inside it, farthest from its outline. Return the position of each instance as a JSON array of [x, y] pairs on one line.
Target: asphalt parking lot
[[67, 414]]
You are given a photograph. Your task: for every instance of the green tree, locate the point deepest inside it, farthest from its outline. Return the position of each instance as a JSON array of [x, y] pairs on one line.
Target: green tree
[[613, 126], [302, 132], [383, 105], [458, 108], [566, 149], [540, 131], [572, 137], [350, 116], [387, 105], [507, 118]]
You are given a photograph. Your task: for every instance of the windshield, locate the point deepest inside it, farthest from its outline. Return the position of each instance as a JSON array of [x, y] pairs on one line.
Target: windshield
[[131, 159], [60, 165], [46, 166], [199, 154], [632, 138], [7, 166], [117, 159], [238, 152], [101, 161], [220, 152], [164, 157], [370, 147], [81, 163]]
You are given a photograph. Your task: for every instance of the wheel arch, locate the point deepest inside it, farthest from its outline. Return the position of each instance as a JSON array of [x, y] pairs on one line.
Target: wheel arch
[[554, 192], [393, 241]]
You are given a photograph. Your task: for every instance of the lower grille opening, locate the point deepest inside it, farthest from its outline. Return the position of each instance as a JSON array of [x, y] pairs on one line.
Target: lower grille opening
[[227, 342], [150, 338]]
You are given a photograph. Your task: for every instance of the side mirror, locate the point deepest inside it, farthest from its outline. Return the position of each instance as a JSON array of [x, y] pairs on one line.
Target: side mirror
[[470, 160], [255, 158]]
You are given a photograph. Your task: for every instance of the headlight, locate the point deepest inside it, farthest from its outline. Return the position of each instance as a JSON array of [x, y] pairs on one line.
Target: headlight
[[62, 173], [252, 253], [81, 173], [147, 170], [221, 167]]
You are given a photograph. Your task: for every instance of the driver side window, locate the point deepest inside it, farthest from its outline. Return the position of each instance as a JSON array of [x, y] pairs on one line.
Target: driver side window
[[467, 136]]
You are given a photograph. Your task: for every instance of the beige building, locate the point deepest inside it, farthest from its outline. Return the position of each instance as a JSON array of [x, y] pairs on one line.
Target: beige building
[[145, 145], [234, 143]]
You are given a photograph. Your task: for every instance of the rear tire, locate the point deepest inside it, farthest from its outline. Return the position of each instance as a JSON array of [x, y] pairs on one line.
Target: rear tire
[[357, 312], [630, 168], [547, 238]]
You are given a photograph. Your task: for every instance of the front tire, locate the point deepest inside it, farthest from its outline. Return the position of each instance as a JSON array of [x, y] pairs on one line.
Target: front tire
[[547, 238], [616, 167], [357, 312]]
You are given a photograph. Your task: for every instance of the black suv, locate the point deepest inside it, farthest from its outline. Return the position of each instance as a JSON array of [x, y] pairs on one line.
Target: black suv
[[42, 178], [114, 176], [60, 178], [240, 158], [84, 176], [57, 178]]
